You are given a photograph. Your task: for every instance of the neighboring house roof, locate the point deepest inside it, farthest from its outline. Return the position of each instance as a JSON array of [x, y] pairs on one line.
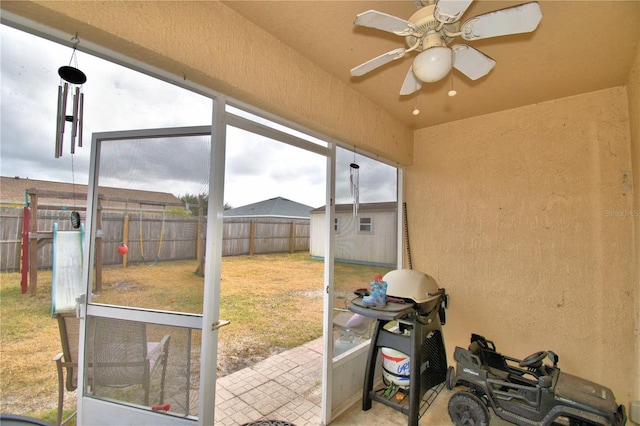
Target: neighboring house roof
[[12, 193], [362, 207], [274, 207]]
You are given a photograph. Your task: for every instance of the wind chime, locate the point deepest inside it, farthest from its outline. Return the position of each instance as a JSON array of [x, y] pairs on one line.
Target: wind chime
[[354, 179], [73, 81]]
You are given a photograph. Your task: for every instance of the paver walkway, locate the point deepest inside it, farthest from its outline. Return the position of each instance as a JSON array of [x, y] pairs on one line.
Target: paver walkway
[[284, 387]]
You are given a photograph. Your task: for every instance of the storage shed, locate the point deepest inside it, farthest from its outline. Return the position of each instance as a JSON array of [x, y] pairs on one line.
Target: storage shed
[[369, 238]]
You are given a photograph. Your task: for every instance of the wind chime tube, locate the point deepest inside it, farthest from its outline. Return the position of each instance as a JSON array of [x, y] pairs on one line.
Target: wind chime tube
[[63, 117], [355, 206], [80, 119], [58, 123], [357, 203], [74, 123], [355, 186], [76, 78]]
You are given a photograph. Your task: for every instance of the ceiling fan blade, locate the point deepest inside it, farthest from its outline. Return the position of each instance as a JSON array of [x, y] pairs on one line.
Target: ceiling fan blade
[[471, 62], [512, 20], [411, 84], [450, 11], [385, 22], [378, 61]]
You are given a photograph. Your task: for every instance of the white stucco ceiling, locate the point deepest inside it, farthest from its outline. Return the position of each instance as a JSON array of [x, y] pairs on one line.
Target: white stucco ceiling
[[579, 47]]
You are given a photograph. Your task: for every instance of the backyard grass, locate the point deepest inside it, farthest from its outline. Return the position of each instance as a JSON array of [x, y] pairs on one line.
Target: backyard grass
[[274, 302]]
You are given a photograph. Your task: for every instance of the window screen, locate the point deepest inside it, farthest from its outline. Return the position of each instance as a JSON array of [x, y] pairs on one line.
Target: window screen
[[365, 224]]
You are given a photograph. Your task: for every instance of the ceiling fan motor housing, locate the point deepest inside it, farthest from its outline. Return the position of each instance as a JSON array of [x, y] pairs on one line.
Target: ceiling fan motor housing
[[426, 22]]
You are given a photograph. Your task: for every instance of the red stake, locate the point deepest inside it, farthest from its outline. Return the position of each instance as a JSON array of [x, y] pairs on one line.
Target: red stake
[[165, 407], [24, 267]]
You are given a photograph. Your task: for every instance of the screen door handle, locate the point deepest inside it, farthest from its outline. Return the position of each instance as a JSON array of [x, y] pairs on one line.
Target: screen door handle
[[220, 323]]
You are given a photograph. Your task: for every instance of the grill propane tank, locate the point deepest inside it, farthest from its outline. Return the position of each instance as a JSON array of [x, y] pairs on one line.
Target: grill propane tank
[[395, 367]]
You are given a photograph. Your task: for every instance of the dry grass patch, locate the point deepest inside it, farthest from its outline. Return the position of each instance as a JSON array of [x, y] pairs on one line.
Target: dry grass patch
[[29, 341], [274, 302]]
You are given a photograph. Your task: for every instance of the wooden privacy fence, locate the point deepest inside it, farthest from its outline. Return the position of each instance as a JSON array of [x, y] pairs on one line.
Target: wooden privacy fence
[[165, 236], [264, 235]]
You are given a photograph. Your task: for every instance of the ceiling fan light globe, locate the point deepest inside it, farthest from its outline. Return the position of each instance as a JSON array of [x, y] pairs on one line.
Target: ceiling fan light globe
[[433, 64]]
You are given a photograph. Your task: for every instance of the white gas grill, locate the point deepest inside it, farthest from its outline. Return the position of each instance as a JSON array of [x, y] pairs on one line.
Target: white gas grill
[[417, 306]]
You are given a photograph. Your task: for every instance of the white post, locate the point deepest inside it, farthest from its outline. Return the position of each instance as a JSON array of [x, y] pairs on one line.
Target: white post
[[329, 243], [400, 219], [213, 265]]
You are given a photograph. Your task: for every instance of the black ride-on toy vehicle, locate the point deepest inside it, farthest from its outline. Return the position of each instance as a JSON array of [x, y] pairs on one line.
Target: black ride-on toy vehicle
[[525, 392]]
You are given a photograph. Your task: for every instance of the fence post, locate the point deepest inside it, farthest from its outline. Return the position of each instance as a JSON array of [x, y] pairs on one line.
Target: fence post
[[292, 239], [125, 239], [252, 236], [200, 238], [33, 245]]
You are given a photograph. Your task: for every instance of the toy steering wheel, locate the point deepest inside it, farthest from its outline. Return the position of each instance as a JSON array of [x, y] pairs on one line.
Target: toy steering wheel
[[534, 360]]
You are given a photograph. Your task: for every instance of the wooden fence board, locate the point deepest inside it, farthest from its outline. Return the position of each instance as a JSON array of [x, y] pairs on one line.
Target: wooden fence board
[[178, 235]]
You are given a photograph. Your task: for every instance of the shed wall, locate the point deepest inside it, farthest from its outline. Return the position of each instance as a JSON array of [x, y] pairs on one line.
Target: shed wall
[[351, 245]]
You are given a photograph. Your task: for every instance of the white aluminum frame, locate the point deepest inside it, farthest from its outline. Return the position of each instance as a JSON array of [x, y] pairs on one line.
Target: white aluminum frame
[[130, 415], [89, 408]]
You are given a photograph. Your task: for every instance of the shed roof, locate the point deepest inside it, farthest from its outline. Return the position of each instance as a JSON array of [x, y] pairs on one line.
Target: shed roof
[[273, 207], [362, 207]]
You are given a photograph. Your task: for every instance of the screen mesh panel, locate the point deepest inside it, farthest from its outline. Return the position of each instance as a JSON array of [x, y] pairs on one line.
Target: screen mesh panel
[[145, 365]]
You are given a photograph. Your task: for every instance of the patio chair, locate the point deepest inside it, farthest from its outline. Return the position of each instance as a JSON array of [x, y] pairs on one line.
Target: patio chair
[[122, 357], [119, 356]]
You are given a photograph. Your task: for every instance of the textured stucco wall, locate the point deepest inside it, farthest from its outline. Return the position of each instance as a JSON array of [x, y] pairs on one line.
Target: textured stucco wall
[[517, 215], [633, 93], [210, 44]]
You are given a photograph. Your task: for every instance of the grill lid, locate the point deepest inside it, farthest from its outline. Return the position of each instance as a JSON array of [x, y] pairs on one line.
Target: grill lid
[[411, 284]]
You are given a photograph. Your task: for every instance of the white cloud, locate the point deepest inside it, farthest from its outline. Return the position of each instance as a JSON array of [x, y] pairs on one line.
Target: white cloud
[[117, 98]]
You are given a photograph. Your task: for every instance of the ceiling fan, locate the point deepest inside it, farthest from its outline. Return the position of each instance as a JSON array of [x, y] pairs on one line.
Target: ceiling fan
[[433, 27]]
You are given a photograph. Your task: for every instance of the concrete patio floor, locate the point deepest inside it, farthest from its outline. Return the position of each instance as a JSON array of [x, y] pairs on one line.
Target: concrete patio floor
[[288, 387]]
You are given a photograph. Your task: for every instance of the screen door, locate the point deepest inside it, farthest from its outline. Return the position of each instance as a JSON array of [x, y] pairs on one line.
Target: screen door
[[144, 358]]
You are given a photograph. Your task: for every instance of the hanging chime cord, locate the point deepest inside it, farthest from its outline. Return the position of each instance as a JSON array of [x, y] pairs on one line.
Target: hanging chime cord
[[73, 183], [75, 40], [73, 60], [75, 216]]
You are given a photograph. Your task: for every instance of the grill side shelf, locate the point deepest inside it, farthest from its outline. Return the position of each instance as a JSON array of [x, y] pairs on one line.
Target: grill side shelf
[[391, 311]]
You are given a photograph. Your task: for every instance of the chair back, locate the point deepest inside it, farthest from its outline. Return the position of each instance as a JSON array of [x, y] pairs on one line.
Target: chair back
[[69, 327], [119, 353]]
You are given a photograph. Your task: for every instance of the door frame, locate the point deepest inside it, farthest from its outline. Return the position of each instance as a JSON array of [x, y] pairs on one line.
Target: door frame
[[91, 410]]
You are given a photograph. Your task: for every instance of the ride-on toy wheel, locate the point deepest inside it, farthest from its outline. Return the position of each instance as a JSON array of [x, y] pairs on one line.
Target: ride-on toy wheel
[[466, 409], [451, 377]]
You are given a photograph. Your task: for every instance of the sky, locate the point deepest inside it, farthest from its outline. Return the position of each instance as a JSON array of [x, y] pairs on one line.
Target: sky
[[116, 99]]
